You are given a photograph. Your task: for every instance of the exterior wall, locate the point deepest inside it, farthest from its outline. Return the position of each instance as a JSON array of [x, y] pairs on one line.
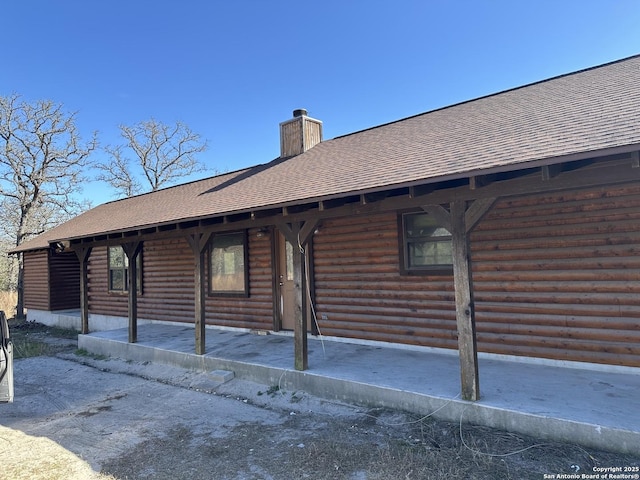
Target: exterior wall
[[36, 280], [64, 272], [168, 288], [360, 293], [101, 301], [256, 311], [557, 276], [51, 281], [167, 282]]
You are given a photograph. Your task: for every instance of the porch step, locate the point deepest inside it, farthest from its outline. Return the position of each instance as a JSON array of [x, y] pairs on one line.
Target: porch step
[[222, 376], [208, 381]]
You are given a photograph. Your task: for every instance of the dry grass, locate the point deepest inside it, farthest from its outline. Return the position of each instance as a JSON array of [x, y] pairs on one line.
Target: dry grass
[[37, 458], [8, 301], [32, 339]]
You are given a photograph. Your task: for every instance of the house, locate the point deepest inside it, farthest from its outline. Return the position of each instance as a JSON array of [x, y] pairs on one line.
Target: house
[[509, 225]]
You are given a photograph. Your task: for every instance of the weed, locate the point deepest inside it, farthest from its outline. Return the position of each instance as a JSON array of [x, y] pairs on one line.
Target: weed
[[59, 332], [32, 339], [81, 352], [25, 347], [272, 390]]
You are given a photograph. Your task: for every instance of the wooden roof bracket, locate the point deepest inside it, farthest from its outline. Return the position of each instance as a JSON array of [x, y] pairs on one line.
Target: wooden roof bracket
[[474, 212], [298, 233], [441, 214], [198, 241]]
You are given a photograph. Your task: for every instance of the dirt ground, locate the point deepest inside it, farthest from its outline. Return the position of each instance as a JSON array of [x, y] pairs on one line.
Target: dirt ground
[[127, 420]]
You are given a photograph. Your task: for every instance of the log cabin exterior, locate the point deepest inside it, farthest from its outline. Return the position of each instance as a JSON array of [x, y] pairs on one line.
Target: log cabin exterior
[[508, 225], [53, 280]]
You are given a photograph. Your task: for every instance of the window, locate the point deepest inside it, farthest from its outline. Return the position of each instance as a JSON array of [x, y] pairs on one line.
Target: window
[[228, 268], [119, 270], [426, 246]]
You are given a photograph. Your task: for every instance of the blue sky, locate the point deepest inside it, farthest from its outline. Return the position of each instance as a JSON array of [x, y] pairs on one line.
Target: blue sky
[[232, 70]]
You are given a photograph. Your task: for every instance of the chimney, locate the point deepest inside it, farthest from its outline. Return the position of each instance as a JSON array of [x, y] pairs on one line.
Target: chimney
[[299, 134]]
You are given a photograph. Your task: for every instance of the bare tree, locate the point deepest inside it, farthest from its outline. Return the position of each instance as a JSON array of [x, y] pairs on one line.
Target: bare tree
[[118, 173], [164, 154], [41, 163]]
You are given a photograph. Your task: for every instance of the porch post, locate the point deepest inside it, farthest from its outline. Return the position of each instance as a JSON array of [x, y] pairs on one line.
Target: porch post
[[132, 250], [298, 235], [83, 257], [301, 349], [465, 315], [198, 243]]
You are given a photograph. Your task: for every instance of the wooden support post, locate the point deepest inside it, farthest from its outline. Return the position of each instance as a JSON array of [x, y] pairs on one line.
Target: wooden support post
[[132, 250], [200, 320], [198, 243], [301, 350], [465, 316], [460, 221], [298, 235], [83, 257]]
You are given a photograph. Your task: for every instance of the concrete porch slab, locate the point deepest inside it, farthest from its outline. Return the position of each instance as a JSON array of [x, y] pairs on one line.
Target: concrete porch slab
[[592, 408]]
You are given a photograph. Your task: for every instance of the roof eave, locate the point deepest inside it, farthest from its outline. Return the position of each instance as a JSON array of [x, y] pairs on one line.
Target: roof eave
[[467, 174]]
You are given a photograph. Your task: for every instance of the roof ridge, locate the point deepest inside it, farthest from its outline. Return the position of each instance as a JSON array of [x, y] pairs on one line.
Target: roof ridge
[[471, 100]]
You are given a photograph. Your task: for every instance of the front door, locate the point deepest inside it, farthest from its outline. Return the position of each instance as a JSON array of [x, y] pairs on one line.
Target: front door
[[287, 288]]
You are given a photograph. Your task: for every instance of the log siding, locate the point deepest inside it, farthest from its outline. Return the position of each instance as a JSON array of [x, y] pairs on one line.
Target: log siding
[[360, 292], [168, 286], [36, 279], [64, 281], [101, 301], [556, 276], [256, 311], [52, 280]]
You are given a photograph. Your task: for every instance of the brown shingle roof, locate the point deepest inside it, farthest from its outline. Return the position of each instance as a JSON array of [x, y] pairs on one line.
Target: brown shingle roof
[[587, 111]]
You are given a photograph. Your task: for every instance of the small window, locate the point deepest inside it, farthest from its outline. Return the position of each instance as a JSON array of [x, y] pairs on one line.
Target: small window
[[228, 273], [119, 270], [426, 246]]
